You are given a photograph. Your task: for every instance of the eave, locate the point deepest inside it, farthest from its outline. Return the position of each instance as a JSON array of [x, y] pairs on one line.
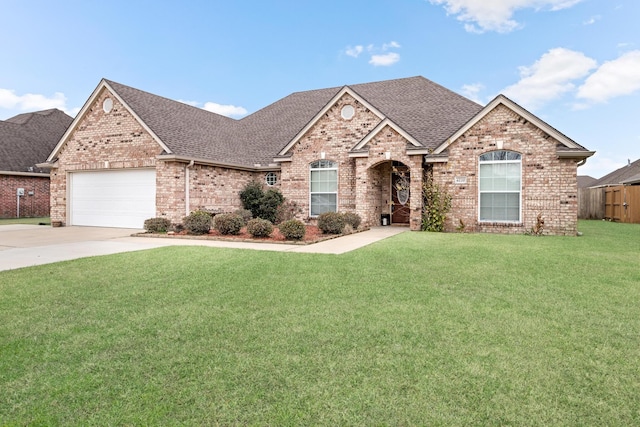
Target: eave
[[272, 167]]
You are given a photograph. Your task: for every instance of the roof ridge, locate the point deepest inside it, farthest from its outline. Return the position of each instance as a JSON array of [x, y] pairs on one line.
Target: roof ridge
[[147, 93]]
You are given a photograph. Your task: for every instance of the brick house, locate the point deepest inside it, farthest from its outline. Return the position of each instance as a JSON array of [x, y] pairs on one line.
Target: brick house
[[131, 155], [26, 140]]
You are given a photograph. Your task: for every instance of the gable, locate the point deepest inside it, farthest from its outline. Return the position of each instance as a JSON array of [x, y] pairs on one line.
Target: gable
[[106, 131], [344, 97], [94, 111], [566, 147]]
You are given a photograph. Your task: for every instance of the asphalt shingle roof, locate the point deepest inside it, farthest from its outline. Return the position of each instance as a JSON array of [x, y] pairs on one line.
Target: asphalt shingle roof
[[619, 175], [28, 139], [430, 113]]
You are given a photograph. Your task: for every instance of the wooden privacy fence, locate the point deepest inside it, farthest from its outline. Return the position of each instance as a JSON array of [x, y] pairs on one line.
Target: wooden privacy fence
[[622, 203], [591, 203]]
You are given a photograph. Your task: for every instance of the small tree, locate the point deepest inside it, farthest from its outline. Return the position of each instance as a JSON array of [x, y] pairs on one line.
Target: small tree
[[250, 197], [261, 204], [269, 203], [436, 204]]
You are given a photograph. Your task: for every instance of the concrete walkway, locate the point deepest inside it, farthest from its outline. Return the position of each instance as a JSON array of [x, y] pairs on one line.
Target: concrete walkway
[[27, 245]]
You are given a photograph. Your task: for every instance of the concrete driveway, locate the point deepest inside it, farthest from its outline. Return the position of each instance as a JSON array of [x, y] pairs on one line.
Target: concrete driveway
[[27, 245]]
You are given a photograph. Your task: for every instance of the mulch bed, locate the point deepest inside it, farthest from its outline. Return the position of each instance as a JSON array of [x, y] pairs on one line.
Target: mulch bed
[[312, 235]]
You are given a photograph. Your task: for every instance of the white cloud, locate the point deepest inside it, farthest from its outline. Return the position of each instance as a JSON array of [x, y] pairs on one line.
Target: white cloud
[[387, 46], [496, 15], [472, 91], [192, 103], [384, 60], [380, 56], [591, 20], [354, 51], [549, 77], [31, 101], [614, 78], [225, 110]]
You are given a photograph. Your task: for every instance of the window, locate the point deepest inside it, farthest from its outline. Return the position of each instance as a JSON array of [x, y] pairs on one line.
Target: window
[[500, 186], [324, 187], [271, 178]]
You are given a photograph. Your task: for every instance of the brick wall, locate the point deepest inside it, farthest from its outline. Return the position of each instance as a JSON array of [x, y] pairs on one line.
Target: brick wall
[[333, 136], [363, 183], [102, 141], [374, 174], [34, 203], [549, 184], [211, 188]]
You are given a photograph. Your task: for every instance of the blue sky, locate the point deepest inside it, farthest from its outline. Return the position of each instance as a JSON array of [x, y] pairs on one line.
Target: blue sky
[[574, 63]]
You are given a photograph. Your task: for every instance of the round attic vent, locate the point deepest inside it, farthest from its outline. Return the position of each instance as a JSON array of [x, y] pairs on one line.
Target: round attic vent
[[107, 105], [347, 112]]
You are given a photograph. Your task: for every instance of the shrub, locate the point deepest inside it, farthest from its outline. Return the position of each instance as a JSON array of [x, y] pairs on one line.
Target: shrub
[[292, 229], [348, 229], [197, 222], [286, 211], [157, 225], [250, 197], [245, 214], [228, 223], [261, 204], [269, 203], [331, 223], [352, 219], [259, 227]]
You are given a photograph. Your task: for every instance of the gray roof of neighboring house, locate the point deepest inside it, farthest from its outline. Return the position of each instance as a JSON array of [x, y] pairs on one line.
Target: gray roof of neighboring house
[[585, 181], [27, 139], [620, 175], [427, 111]]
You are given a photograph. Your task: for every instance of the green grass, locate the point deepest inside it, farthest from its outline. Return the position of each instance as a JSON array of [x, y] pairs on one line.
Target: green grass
[[419, 329], [35, 221]]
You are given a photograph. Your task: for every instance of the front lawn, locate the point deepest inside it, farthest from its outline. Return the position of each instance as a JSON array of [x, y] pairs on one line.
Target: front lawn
[[419, 329], [33, 221]]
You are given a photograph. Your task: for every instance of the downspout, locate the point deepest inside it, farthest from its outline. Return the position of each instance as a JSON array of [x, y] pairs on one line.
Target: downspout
[[581, 162], [186, 187]]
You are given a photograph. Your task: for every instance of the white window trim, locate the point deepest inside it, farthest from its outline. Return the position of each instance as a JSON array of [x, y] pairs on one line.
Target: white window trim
[[311, 169], [266, 178], [487, 162]]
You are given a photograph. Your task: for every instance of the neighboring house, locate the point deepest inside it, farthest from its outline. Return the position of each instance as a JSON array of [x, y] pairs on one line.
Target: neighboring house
[[26, 140], [585, 181], [620, 194], [629, 172], [130, 155]]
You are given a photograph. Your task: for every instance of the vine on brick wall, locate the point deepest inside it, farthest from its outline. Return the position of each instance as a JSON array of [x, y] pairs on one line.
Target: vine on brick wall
[[436, 204]]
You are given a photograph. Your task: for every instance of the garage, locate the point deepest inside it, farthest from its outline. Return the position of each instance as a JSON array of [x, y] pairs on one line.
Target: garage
[[122, 198]]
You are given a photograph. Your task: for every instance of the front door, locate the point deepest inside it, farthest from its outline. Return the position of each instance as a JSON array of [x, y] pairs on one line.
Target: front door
[[400, 210]]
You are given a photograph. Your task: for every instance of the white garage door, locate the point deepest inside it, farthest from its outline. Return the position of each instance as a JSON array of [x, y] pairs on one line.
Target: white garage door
[[123, 198]]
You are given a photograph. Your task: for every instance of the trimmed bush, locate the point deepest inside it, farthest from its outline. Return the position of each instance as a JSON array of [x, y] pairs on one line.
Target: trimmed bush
[[157, 225], [331, 223], [250, 197], [286, 211], [261, 204], [245, 214], [259, 227], [197, 222], [269, 203], [229, 223], [292, 229], [352, 219]]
